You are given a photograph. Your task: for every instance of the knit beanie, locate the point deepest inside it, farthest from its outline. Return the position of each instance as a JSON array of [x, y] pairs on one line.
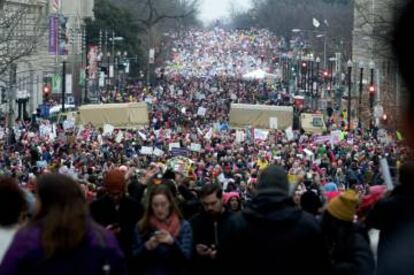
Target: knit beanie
[[344, 206], [114, 181], [274, 178]]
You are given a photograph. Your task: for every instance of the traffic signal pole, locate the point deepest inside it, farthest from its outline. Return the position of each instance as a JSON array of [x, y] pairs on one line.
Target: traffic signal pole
[[63, 85]]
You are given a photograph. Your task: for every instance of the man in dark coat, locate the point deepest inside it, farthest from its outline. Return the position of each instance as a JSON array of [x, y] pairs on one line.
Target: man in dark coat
[[210, 229], [116, 211], [273, 235]]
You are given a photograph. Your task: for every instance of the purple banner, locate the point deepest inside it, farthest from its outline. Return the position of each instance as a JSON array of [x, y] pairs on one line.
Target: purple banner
[[53, 34]]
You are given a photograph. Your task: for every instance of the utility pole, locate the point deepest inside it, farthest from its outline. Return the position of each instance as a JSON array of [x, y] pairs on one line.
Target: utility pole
[[349, 65], [63, 85], [361, 86], [11, 96]]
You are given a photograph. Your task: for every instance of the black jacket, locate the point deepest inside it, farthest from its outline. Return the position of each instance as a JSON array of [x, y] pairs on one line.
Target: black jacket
[[348, 246], [272, 236], [394, 217], [130, 211], [209, 232]]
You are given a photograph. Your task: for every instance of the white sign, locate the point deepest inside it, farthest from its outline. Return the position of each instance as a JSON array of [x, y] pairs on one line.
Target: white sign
[[309, 154], [386, 173], [260, 134], [195, 147], [111, 71], [273, 122], [68, 84], [289, 134], [101, 79], [108, 129], [119, 137], [68, 124], [201, 111], [151, 56], [45, 130], [142, 135], [158, 152], [209, 134], [146, 150], [174, 145], [240, 136]]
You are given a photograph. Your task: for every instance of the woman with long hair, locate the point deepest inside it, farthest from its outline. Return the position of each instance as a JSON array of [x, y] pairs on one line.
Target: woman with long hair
[[62, 238], [163, 239]]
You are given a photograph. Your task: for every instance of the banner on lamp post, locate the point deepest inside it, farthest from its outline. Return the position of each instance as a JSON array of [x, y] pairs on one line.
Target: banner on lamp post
[[68, 84], [151, 56], [53, 34]]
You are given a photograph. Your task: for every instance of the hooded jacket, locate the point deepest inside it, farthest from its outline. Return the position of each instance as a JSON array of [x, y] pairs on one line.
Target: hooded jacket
[[272, 234]]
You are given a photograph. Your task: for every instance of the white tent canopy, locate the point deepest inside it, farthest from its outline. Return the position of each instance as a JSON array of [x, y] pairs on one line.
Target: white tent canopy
[[258, 74]]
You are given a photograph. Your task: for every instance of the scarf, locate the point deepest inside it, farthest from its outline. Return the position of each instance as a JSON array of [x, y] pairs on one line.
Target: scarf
[[172, 224]]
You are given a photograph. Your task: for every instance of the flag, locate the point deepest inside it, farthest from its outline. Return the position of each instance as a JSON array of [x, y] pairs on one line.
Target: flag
[[82, 77], [315, 23], [399, 136], [56, 83]]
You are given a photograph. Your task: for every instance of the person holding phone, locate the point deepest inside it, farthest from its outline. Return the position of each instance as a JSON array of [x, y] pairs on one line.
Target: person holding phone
[[210, 228], [163, 239]]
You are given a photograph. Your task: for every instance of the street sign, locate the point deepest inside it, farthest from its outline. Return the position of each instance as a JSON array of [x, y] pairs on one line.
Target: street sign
[[378, 111], [151, 56]]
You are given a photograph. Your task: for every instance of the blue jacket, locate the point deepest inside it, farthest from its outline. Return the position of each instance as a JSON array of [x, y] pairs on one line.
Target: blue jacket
[[165, 259]]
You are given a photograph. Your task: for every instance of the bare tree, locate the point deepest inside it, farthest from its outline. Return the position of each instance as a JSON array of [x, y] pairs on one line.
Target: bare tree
[[21, 28], [151, 14]]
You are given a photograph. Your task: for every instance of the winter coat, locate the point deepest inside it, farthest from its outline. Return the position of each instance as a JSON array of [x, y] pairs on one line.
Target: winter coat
[[130, 211], [272, 234], [99, 251], [208, 231], [165, 259], [349, 249], [394, 217]]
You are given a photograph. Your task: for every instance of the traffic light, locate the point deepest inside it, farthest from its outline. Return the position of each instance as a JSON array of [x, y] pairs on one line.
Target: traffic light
[[325, 73], [46, 91], [304, 64], [384, 118], [371, 89]]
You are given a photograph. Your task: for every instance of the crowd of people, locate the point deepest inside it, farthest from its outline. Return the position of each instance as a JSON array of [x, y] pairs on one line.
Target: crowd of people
[[190, 195]]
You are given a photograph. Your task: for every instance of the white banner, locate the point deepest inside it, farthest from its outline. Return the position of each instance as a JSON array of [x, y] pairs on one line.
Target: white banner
[[289, 134], [158, 152], [195, 147], [201, 111], [68, 84], [146, 150], [240, 136], [108, 129], [119, 137], [174, 145], [260, 134]]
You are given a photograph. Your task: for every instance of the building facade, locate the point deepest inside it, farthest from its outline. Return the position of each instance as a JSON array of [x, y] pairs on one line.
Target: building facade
[[38, 66], [373, 25]]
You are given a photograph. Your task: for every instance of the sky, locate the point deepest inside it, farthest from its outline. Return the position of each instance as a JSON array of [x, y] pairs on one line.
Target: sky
[[211, 10]]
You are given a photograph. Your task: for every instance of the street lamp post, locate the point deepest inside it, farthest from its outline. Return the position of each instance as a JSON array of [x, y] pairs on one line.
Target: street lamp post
[[108, 56], [371, 91], [349, 65], [361, 85], [318, 61]]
